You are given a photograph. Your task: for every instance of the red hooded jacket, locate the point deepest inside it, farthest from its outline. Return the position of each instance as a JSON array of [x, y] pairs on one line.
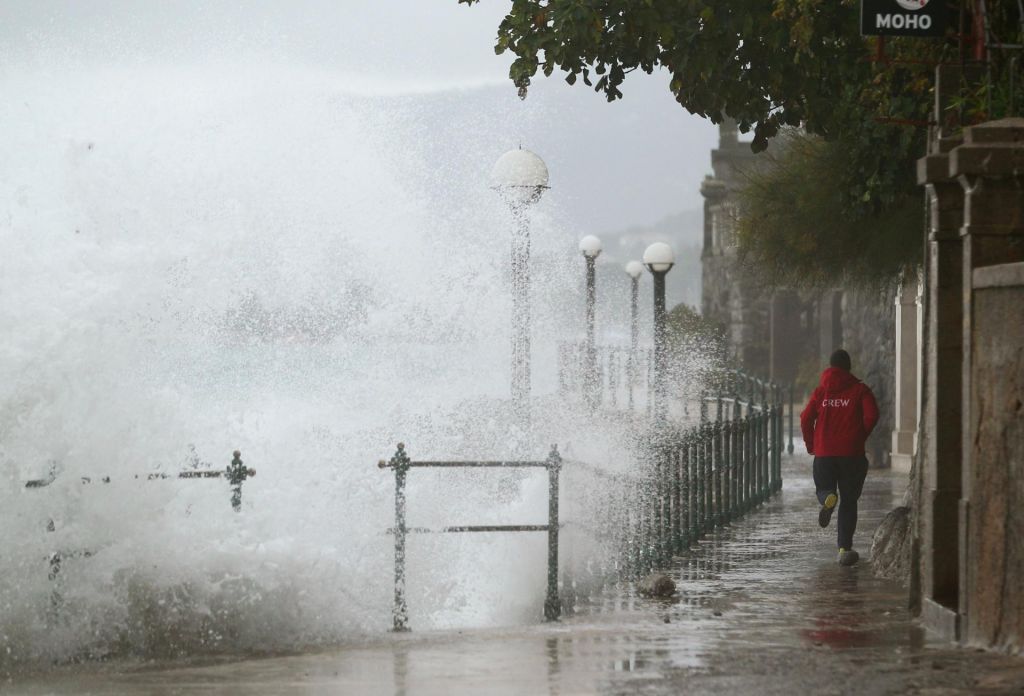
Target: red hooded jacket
[[840, 415]]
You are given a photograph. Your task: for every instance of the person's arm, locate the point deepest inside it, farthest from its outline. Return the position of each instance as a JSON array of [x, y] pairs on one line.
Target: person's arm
[[808, 417], [869, 407]]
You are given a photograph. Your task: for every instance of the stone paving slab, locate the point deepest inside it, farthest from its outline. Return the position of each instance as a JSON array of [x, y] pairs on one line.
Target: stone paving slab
[[763, 608]]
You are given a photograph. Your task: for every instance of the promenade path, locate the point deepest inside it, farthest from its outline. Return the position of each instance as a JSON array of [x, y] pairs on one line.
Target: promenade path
[[763, 608]]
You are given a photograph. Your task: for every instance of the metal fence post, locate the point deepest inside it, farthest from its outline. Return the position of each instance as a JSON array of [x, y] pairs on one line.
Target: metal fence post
[[400, 612], [790, 448], [734, 460], [702, 457], [552, 604], [737, 458], [236, 474], [639, 510], [667, 516], [694, 464], [644, 525], [760, 457], [664, 508], [631, 555], [709, 480], [674, 458], [686, 512], [778, 448], [748, 469], [752, 461], [719, 463], [633, 550], [758, 454], [773, 429], [56, 598], [755, 461], [657, 516], [764, 455], [726, 502]]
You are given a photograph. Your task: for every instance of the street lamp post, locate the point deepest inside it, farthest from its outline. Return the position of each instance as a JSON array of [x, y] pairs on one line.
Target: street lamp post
[[659, 259], [520, 177], [634, 269], [590, 246]]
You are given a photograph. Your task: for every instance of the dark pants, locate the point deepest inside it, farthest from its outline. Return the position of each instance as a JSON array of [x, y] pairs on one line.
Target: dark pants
[[845, 474]]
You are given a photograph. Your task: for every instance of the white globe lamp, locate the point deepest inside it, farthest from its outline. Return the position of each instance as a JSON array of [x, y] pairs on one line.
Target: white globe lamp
[[659, 258], [520, 177]]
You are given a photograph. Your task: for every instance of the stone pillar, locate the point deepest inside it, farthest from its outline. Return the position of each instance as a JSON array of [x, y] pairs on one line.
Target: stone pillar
[[989, 165], [938, 504], [710, 189], [937, 541], [714, 269], [904, 434]]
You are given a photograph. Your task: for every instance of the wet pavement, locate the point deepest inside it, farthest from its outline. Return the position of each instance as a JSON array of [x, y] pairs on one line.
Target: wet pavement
[[763, 608]]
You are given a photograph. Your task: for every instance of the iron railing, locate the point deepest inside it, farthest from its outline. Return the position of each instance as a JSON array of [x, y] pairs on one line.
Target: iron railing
[[690, 482], [401, 464], [235, 473]]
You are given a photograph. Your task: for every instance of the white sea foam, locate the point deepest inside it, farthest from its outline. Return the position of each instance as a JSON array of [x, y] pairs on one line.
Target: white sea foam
[[194, 263]]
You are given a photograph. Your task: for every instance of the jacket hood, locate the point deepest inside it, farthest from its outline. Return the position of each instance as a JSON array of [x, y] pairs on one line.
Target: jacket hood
[[836, 379]]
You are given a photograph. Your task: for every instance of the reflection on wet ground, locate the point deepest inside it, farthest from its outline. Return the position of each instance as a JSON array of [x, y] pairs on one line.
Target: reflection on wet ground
[[763, 608]]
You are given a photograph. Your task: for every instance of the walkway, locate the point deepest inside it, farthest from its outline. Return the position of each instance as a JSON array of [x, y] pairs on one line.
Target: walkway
[[764, 609]]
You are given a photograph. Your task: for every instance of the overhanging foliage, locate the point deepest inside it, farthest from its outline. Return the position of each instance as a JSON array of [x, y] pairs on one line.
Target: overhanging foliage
[[799, 227], [773, 65]]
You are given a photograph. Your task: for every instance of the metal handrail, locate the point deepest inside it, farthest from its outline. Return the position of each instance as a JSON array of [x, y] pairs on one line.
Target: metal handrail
[[236, 473], [401, 464], [690, 482], [497, 464]]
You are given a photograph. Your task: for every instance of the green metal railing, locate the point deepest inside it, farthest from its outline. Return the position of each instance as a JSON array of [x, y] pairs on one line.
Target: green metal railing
[[691, 481], [703, 478]]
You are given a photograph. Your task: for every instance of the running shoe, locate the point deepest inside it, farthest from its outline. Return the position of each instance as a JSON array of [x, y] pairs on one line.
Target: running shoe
[[825, 515], [847, 557]]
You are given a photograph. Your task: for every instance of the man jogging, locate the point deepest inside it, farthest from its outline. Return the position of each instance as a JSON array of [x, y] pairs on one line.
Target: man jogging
[[837, 420]]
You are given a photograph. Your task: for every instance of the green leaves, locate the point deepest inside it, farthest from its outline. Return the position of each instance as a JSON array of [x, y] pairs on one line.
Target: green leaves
[[771, 65], [809, 220]]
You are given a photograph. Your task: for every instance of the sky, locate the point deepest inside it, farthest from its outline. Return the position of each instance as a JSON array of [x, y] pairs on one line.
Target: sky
[[613, 165]]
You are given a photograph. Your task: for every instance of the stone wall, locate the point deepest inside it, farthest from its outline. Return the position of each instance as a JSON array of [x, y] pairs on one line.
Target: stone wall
[[995, 560]]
